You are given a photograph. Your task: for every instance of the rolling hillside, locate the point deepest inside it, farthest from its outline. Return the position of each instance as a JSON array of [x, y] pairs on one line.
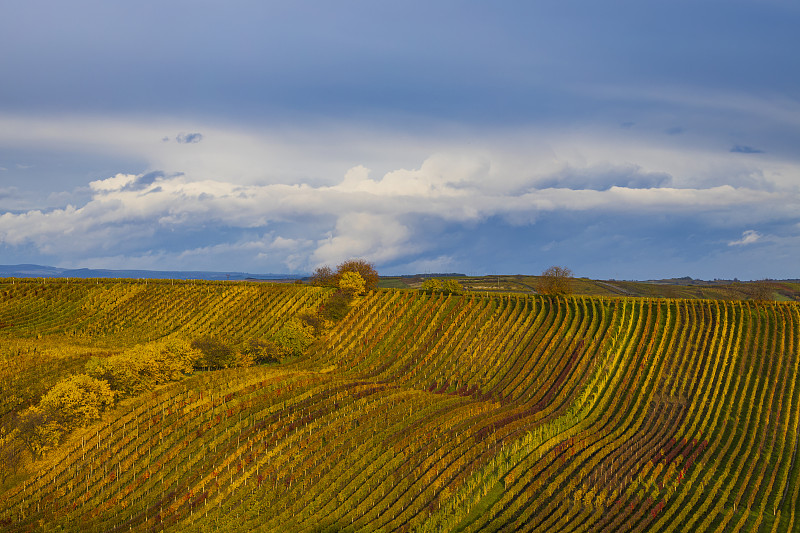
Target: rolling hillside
[[417, 412], [780, 290]]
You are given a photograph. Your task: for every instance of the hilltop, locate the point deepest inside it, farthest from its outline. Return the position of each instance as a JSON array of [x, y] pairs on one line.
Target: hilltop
[[417, 412], [780, 290], [685, 287]]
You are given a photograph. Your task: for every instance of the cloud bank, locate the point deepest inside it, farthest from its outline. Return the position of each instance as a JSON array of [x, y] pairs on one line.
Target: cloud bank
[[400, 219], [608, 202]]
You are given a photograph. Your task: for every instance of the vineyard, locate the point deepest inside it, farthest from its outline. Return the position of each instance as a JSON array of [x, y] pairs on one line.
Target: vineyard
[[421, 413]]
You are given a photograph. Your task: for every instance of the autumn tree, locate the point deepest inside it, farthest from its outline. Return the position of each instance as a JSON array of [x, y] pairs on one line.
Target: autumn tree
[[39, 431], [324, 276], [352, 277], [72, 402], [364, 268], [555, 280], [314, 319], [144, 366], [351, 283], [77, 400]]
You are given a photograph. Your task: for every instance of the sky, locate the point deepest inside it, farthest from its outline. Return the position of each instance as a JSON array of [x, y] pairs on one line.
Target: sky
[[621, 139]]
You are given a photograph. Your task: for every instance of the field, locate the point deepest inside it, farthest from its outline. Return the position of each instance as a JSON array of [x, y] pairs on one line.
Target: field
[[783, 290], [476, 412]]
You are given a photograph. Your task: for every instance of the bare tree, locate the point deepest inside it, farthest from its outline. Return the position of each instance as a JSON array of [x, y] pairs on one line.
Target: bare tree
[[555, 280], [324, 276]]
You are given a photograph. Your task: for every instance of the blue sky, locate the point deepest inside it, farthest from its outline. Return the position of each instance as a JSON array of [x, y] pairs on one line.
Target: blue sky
[[628, 140]]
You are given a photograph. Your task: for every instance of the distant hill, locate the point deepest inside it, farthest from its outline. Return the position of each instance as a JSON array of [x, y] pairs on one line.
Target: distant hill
[[41, 271], [686, 287]]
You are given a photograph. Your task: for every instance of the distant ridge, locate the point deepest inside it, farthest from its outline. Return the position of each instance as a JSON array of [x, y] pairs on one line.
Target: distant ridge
[[434, 275], [42, 271]]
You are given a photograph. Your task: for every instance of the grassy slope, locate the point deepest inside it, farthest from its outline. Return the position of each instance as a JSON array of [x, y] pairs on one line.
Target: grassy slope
[[719, 290], [471, 413]]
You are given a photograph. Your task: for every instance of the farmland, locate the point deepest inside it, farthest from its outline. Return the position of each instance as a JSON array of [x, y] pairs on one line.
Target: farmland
[[415, 412]]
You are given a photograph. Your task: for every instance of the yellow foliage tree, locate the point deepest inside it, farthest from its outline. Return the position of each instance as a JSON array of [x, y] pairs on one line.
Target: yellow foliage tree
[[324, 276], [352, 283], [364, 268], [72, 402], [77, 400], [144, 366]]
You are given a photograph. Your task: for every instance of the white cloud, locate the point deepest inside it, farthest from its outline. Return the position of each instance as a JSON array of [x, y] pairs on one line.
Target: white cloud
[[748, 237], [319, 154], [298, 198], [112, 184], [380, 220], [378, 238]]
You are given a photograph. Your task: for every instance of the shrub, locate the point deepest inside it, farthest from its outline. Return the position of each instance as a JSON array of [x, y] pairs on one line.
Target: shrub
[[314, 320], [215, 353], [445, 286], [292, 339], [262, 351], [336, 307], [146, 365]]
